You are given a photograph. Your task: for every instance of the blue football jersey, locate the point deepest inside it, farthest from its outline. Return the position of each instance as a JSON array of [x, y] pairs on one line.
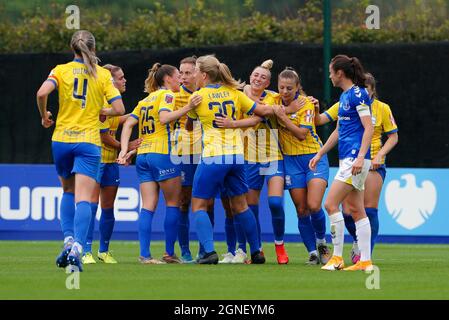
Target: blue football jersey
[[351, 130]]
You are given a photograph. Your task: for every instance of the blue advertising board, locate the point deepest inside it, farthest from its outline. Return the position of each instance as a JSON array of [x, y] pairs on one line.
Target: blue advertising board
[[414, 206]]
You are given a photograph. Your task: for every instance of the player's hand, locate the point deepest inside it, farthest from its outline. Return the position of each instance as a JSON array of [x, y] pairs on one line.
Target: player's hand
[[195, 101], [121, 159], [357, 166], [315, 102], [279, 111], [223, 122], [47, 121], [376, 162], [314, 161], [134, 144], [104, 112], [297, 104], [129, 156]]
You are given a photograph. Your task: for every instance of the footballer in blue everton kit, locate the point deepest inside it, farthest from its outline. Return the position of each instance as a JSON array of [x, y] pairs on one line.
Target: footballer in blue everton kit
[[384, 124], [353, 134]]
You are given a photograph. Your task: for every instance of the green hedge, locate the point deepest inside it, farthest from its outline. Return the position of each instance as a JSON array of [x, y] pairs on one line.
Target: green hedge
[[201, 26]]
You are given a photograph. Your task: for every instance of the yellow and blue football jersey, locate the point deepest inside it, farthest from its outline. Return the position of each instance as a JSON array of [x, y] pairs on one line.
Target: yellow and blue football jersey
[[110, 126], [223, 101], [185, 142], [303, 118], [155, 135], [262, 142], [81, 98]]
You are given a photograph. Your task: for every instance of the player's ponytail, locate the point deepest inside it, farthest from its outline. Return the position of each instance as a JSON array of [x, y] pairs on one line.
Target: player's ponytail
[[216, 71], [267, 64], [156, 75], [290, 73], [371, 81], [351, 67], [226, 77], [83, 44]]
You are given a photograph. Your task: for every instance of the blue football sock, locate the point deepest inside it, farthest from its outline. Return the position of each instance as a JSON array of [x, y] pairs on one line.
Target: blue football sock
[[171, 229], [374, 222], [319, 223], [204, 230], [67, 213], [249, 225], [231, 238], [183, 232], [145, 221], [90, 232], [255, 209], [240, 233], [277, 217], [350, 225], [107, 221], [211, 216], [83, 215], [307, 233]]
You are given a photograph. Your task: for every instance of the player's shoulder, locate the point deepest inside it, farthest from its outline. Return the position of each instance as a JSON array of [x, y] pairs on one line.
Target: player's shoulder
[[103, 72], [335, 106], [308, 104], [357, 94], [63, 67], [382, 106]]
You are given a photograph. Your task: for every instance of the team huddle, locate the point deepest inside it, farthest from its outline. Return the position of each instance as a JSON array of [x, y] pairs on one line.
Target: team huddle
[[203, 135]]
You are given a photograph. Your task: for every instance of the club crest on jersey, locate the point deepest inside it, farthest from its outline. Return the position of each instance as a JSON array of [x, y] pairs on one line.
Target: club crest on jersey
[[346, 106], [309, 116], [168, 98]]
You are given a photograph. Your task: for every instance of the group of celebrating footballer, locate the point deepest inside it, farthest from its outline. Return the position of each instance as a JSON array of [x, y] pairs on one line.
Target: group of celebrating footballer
[[203, 135]]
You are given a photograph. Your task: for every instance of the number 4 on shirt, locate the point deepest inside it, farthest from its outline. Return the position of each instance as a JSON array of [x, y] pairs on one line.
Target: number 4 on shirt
[[84, 90]]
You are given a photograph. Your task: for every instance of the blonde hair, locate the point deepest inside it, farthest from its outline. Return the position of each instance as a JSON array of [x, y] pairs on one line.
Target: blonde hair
[[290, 73], [267, 64], [218, 72], [112, 69], [156, 75], [83, 44]]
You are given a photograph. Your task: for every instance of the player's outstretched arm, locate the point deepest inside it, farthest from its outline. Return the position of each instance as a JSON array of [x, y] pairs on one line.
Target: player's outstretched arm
[[330, 143], [124, 139], [366, 143], [224, 122], [117, 109], [169, 116], [41, 96], [299, 133]]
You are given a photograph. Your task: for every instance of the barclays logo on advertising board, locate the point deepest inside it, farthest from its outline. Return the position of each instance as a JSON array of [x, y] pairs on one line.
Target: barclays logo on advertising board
[[410, 206]]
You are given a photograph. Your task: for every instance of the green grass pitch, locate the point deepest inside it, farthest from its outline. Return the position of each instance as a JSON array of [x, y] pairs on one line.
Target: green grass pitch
[[28, 271]]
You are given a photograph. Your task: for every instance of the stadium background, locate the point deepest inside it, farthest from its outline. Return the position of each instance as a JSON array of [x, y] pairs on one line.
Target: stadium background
[[411, 79]]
